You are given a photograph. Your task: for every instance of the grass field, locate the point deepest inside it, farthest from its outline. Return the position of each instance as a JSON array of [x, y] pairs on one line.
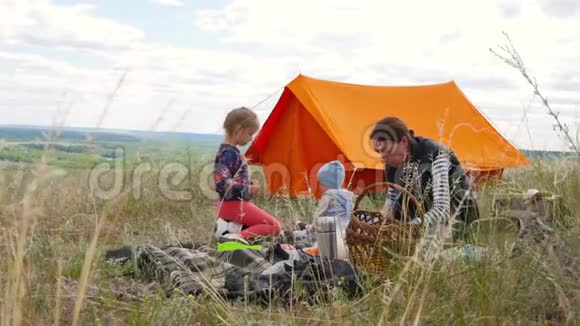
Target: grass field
[[53, 233]]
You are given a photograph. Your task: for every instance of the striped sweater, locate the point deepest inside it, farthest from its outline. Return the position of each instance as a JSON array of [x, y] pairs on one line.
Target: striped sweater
[[440, 209], [434, 175]]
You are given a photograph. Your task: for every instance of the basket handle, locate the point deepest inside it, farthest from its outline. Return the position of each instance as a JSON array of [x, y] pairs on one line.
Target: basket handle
[[367, 189]]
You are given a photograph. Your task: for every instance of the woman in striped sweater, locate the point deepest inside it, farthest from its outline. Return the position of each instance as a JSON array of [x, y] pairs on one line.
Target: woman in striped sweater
[[430, 171]]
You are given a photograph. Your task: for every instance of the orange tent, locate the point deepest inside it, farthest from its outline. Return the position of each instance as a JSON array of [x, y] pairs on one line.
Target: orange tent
[[316, 121]]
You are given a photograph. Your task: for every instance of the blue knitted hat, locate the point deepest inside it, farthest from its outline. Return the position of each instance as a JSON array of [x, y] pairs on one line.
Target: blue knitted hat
[[331, 174]]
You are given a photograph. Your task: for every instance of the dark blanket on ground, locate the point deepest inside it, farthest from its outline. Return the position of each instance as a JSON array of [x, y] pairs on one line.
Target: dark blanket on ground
[[194, 268]]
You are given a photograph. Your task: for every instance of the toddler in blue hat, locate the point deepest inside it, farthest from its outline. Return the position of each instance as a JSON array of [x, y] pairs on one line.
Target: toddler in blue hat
[[335, 200]]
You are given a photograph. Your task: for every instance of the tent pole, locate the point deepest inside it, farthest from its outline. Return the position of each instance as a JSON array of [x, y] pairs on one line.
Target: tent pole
[[351, 177]]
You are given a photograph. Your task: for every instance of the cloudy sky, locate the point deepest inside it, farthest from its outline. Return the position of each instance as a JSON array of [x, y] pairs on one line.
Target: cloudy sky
[[182, 64]]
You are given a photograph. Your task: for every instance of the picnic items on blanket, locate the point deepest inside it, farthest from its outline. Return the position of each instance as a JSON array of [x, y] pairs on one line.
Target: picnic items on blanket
[[234, 245], [305, 232], [373, 241], [313, 251], [193, 268], [528, 208], [223, 227]]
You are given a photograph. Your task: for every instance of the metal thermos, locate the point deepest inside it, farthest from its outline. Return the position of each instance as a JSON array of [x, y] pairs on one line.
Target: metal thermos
[[331, 238], [326, 236]]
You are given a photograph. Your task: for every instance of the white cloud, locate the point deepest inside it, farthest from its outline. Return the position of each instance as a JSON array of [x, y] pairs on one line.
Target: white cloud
[[171, 3], [389, 42], [371, 42], [510, 8], [74, 27], [561, 8], [207, 83]]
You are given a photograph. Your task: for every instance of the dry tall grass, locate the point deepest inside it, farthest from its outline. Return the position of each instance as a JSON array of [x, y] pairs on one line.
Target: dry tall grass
[[54, 233]]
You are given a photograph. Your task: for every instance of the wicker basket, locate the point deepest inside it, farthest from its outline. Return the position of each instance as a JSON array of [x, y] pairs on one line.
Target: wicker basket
[[374, 244]]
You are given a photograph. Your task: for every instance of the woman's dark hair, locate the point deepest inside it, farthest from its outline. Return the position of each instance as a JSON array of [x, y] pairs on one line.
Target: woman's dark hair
[[391, 129]]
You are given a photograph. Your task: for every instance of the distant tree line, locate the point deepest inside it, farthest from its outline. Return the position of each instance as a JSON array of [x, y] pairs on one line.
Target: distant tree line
[[23, 134], [59, 147], [536, 155], [14, 154]]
